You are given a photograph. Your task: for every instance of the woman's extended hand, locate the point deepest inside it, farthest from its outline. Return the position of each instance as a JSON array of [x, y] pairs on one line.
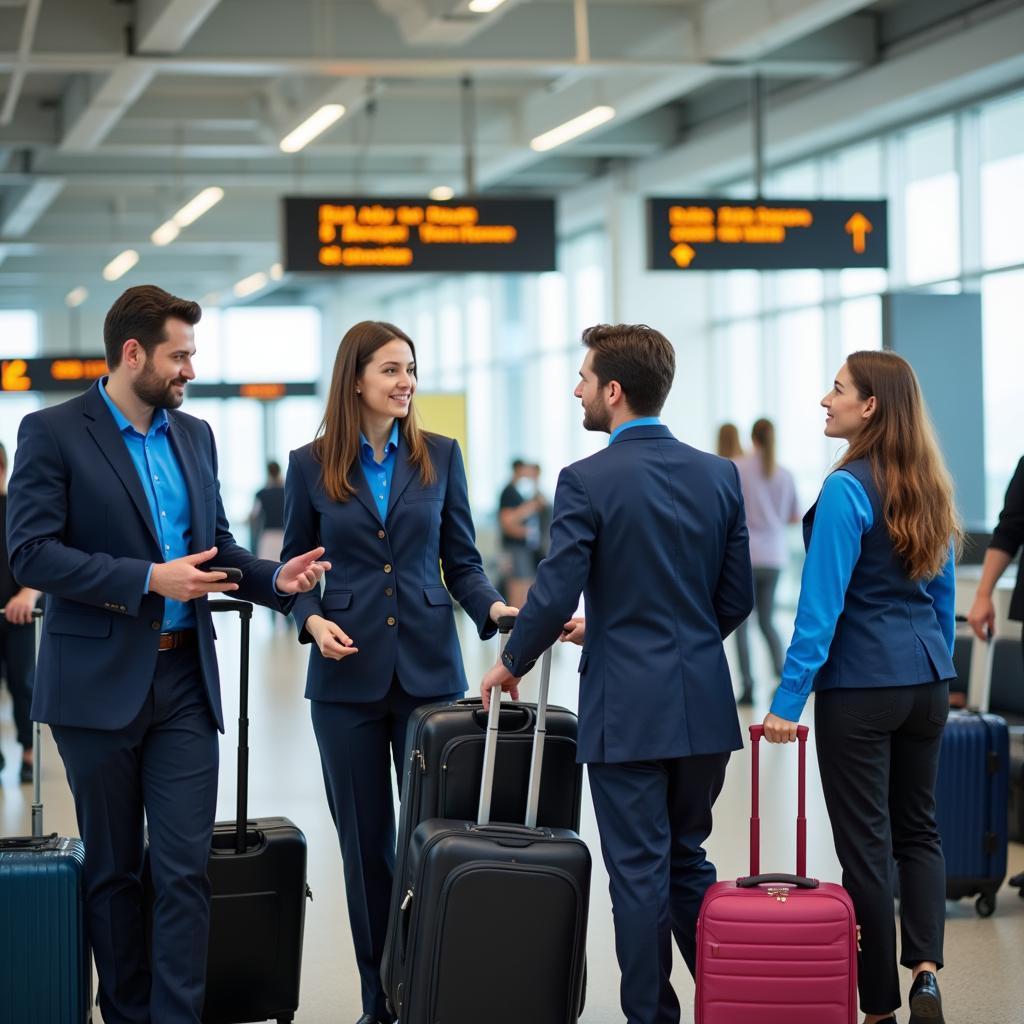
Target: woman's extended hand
[[333, 641], [779, 730]]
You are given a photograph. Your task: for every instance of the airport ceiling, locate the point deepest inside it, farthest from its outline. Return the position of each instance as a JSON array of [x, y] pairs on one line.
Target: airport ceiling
[[113, 114]]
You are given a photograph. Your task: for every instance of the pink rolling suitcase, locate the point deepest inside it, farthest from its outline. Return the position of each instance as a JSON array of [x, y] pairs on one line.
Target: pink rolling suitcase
[[777, 949]]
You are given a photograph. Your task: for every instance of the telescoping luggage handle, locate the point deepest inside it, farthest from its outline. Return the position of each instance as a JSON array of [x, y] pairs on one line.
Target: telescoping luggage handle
[[37, 773], [505, 624], [244, 610], [800, 879], [979, 674]]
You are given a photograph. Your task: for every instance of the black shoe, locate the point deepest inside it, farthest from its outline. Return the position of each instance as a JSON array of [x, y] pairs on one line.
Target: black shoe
[[26, 773], [925, 1001], [1017, 881], [368, 1018], [745, 699]]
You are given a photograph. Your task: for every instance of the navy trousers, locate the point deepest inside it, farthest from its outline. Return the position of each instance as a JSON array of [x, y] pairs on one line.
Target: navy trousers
[[358, 745], [654, 818], [164, 765], [17, 661]]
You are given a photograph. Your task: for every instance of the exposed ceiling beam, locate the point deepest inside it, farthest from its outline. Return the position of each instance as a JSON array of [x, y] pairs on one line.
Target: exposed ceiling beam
[[20, 216], [165, 26], [17, 79]]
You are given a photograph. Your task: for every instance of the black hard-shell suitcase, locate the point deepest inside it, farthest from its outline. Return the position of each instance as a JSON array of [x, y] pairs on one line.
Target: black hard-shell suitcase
[[45, 962], [258, 875], [473, 889]]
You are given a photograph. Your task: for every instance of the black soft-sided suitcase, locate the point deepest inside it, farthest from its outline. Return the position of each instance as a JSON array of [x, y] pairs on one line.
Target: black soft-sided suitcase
[[473, 890], [45, 963], [442, 780], [258, 875]]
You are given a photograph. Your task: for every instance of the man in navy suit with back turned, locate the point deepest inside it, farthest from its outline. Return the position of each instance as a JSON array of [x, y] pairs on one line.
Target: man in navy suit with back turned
[[653, 533], [113, 508]]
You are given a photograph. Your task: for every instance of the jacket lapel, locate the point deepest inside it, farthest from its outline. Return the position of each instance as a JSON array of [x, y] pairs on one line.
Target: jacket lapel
[[404, 472], [186, 454], [108, 439], [357, 477]]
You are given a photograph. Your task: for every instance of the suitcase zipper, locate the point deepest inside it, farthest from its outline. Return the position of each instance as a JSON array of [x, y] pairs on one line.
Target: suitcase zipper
[[407, 900]]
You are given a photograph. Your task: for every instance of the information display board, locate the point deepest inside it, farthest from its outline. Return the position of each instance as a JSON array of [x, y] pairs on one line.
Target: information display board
[[342, 235], [766, 234]]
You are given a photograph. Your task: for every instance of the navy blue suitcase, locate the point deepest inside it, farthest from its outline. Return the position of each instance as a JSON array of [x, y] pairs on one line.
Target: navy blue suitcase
[[972, 795], [45, 962]]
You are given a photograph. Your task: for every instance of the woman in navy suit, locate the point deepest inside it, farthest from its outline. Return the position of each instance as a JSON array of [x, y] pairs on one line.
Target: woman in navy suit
[[389, 503]]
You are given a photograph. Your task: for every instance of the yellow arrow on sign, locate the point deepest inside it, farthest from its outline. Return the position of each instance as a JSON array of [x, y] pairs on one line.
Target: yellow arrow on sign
[[683, 254], [858, 227], [14, 375]]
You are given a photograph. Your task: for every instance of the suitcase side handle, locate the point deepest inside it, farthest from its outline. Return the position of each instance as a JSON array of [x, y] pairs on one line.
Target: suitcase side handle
[[799, 881], [244, 610], [756, 734]]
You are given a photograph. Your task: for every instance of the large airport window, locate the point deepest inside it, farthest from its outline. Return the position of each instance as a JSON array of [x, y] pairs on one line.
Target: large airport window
[[1003, 373], [1002, 172], [552, 311], [271, 343], [860, 324], [19, 329], [451, 346], [931, 202]]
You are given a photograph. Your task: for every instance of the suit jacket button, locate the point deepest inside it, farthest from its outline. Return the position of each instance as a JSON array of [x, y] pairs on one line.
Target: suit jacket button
[[155, 624], [391, 620], [387, 567], [388, 591], [381, 534]]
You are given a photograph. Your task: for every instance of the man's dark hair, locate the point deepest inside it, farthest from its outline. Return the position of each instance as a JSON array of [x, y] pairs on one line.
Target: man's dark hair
[[142, 313], [273, 469], [517, 464], [640, 358]]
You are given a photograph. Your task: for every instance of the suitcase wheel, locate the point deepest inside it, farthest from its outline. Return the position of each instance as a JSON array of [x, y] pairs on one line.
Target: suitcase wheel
[[985, 904]]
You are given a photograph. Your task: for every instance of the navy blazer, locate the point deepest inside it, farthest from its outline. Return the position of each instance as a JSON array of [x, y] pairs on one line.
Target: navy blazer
[[654, 534], [80, 529], [385, 588]]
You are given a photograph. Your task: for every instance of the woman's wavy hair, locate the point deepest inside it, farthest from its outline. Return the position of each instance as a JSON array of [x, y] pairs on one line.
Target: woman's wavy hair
[[336, 446], [899, 444]]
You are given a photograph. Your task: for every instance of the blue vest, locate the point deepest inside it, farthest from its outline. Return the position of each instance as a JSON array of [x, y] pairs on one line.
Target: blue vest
[[888, 633]]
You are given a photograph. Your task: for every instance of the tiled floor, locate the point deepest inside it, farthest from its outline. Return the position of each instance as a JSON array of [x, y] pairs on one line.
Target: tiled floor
[[983, 984]]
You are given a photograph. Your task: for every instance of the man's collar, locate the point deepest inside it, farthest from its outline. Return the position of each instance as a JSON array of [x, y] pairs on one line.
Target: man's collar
[[642, 421], [160, 418]]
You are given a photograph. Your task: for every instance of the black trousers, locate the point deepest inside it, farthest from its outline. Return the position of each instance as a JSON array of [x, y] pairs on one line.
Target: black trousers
[[765, 582], [878, 752], [17, 658]]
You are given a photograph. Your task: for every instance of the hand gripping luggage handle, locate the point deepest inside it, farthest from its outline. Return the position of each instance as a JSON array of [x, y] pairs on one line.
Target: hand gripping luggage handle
[[244, 610], [483, 817], [756, 732], [37, 743], [979, 691]]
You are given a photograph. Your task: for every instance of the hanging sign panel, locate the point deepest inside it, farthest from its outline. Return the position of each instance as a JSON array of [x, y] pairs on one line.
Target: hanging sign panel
[[342, 235], [766, 234]]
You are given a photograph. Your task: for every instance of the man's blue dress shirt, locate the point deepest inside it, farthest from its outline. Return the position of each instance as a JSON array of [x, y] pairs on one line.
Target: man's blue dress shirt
[[843, 516], [167, 494], [643, 421], [379, 474]]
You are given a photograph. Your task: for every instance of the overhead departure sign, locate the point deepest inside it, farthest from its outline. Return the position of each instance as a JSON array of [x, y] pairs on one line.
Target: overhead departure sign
[[342, 235], [766, 234], [265, 391], [66, 373]]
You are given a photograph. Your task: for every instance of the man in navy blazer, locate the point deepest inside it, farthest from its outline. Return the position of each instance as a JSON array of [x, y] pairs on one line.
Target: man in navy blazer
[[113, 507], [653, 533]]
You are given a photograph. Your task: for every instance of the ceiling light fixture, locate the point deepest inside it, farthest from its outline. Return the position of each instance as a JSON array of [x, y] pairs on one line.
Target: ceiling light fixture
[[484, 6], [120, 265], [442, 193], [251, 284], [76, 296], [276, 272], [196, 207], [578, 126], [313, 126], [165, 234]]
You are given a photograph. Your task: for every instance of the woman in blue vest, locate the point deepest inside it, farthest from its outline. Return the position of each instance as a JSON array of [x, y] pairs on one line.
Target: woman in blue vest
[[874, 639], [389, 502]]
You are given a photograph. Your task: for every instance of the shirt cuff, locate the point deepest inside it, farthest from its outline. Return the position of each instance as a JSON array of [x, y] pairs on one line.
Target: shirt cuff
[[277, 572], [149, 576], [788, 705]]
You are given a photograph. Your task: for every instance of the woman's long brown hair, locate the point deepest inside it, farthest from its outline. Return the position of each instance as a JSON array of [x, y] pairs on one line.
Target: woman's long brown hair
[[337, 442], [729, 446], [763, 435], [909, 471]]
